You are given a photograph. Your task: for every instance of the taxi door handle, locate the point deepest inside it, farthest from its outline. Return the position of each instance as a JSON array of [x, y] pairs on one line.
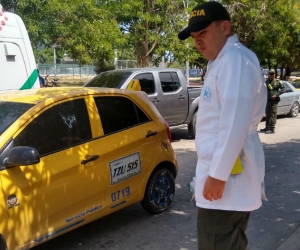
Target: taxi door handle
[[151, 133], [92, 158]]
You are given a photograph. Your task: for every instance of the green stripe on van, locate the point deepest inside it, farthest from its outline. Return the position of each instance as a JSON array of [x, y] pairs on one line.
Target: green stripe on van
[[30, 81]]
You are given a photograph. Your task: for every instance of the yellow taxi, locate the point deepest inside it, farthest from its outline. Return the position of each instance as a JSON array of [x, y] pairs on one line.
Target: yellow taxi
[[69, 156], [296, 84]]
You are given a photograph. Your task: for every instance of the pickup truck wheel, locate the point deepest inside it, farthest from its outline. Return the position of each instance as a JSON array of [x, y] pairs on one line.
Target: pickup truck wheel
[[159, 192], [192, 126], [294, 110]]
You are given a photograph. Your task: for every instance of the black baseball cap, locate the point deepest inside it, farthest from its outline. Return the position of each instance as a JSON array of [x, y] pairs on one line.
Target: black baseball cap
[[202, 16]]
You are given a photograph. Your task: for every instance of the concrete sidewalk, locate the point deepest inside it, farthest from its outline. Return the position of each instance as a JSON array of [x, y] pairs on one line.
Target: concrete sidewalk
[[275, 226], [279, 218], [292, 243]]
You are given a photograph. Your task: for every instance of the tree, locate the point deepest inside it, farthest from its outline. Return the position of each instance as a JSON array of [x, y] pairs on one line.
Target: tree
[[92, 31], [270, 28], [152, 25], [85, 31], [10, 4]]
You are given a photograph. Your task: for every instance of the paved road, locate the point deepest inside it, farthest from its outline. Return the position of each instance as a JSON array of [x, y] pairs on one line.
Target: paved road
[[175, 229]]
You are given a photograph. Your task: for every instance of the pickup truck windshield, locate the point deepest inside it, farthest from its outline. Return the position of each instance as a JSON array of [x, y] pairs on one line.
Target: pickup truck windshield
[[10, 112], [109, 79]]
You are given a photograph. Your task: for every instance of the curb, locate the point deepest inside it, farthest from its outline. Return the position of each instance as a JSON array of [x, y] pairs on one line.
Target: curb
[[292, 243]]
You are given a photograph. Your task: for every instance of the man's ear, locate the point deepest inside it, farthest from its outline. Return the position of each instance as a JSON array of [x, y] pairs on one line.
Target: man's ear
[[226, 28]]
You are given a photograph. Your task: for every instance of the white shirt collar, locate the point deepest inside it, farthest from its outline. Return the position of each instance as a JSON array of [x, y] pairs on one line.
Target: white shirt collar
[[230, 41]]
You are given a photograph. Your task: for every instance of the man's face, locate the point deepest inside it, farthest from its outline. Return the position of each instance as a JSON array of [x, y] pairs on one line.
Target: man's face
[[211, 40], [271, 76]]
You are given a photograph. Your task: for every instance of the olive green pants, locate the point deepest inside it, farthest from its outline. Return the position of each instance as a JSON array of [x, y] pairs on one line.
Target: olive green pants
[[222, 230], [271, 115]]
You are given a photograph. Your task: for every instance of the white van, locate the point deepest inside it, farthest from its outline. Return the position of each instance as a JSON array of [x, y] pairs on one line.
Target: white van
[[17, 64]]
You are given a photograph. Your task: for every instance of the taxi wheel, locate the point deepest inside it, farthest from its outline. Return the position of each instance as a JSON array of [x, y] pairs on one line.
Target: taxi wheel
[[159, 192]]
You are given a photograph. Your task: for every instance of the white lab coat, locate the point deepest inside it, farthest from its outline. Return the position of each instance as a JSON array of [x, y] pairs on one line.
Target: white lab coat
[[231, 105]]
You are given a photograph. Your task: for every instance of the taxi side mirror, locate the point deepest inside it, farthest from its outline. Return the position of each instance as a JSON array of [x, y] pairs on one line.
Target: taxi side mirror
[[21, 156], [134, 84]]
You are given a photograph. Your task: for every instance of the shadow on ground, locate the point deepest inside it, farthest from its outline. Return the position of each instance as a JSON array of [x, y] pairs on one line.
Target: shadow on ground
[[133, 228], [180, 133], [279, 217]]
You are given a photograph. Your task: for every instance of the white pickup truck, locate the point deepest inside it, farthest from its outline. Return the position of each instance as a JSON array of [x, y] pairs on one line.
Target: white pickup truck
[[167, 88]]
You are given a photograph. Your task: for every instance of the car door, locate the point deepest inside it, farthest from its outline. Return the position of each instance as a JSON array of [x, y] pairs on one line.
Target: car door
[[62, 190], [174, 101], [127, 147], [148, 86], [286, 100]]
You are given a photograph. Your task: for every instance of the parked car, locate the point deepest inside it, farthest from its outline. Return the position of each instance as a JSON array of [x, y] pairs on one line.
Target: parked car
[[289, 101], [167, 88], [296, 84], [295, 76], [69, 156]]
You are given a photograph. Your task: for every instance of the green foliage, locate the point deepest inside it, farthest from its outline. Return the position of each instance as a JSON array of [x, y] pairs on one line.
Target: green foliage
[[44, 55], [270, 28], [85, 31], [103, 65], [146, 30], [10, 4], [152, 27]]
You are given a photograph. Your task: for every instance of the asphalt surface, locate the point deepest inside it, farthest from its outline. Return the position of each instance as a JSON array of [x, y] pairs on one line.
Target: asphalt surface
[[275, 226]]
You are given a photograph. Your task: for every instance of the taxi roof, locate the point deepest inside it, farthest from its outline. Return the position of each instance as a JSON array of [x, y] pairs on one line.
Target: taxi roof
[[34, 96]]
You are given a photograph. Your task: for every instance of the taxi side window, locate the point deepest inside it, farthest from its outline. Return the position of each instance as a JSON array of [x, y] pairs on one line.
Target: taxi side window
[[169, 81], [119, 113], [62, 126]]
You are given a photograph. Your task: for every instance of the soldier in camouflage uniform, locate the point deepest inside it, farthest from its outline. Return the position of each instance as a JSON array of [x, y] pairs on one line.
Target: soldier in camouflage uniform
[[275, 89]]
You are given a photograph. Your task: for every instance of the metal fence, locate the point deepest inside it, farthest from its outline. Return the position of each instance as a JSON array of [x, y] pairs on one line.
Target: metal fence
[[125, 64], [66, 69], [194, 73]]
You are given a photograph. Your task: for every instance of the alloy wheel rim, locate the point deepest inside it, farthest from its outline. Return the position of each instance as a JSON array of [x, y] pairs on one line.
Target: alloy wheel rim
[[161, 191], [295, 109]]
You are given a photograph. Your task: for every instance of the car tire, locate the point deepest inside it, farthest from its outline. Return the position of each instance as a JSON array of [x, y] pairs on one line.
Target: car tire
[[294, 110], [192, 126], [160, 191]]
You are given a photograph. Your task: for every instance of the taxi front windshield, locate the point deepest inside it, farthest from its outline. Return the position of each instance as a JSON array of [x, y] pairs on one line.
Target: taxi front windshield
[[109, 79], [10, 112]]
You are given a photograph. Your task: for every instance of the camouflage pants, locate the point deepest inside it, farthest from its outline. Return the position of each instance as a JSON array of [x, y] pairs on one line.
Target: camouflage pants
[[271, 115]]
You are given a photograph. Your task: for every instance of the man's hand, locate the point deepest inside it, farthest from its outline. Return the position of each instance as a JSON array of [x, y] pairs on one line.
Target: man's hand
[[273, 97], [213, 189]]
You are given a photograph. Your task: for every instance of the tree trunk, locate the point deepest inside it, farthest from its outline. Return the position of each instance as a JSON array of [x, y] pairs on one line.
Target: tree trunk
[[141, 56], [287, 73], [282, 77]]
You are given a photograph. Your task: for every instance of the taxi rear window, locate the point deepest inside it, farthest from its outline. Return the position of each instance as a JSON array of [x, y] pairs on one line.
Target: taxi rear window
[[10, 112]]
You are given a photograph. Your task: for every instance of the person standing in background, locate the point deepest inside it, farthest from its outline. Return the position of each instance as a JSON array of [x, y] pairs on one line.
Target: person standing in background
[[231, 105], [275, 89], [41, 80]]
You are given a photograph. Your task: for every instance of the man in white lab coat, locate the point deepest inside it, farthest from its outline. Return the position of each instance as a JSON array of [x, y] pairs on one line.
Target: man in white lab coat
[[231, 105]]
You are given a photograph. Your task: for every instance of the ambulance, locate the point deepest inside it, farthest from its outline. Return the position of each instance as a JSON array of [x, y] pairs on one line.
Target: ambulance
[[18, 69]]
